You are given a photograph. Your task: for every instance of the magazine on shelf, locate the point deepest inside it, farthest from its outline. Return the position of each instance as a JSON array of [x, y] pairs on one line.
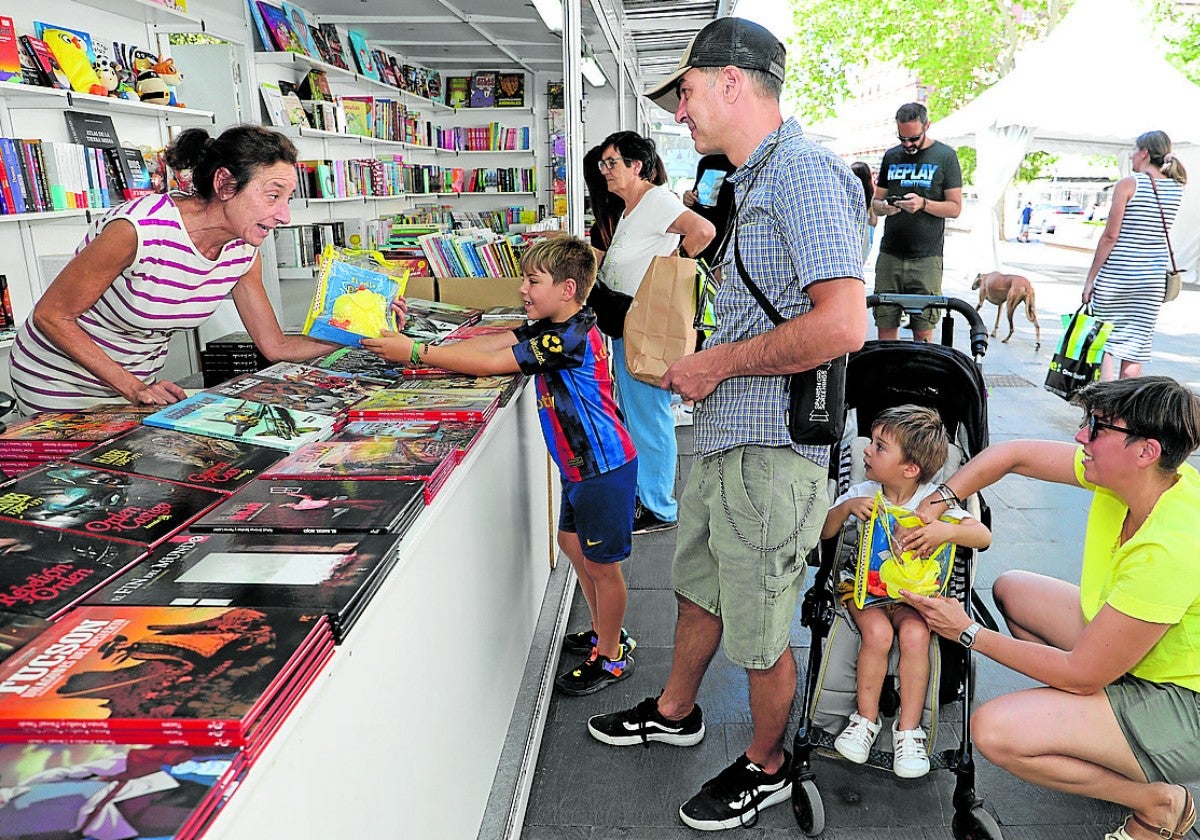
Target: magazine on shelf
[[45, 571], [204, 676], [302, 506], [229, 418], [300, 387], [63, 791], [400, 403], [201, 461], [378, 459], [88, 500], [460, 435], [64, 432], [352, 301]]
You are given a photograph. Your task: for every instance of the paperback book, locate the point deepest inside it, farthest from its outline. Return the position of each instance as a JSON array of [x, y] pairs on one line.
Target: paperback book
[[302, 387], [401, 403], [432, 320], [197, 460], [379, 459], [355, 360], [483, 89], [301, 506], [460, 435], [179, 675], [229, 418], [45, 571], [18, 630], [352, 301], [97, 502], [64, 432]]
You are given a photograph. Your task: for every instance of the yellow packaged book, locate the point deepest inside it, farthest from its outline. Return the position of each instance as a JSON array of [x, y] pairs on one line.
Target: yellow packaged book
[[353, 297]]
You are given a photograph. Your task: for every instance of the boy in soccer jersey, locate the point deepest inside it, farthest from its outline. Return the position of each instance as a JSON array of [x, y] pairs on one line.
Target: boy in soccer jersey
[[565, 353]]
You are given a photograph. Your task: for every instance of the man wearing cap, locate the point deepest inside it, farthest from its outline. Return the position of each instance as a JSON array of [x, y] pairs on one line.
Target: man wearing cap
[[754, 502], [919, 187]]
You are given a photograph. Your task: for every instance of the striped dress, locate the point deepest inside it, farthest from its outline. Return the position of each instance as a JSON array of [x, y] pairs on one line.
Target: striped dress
[[169, 286], [1129, 287]]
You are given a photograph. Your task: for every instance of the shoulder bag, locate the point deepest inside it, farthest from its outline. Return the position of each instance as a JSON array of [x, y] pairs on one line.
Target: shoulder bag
[[1174, 278]]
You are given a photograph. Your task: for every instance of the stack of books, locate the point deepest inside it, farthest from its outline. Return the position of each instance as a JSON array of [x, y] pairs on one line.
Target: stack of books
[[406, 402], [32, 441], [424, 459], [301, 388], [460, 435], [242, 420], [229, 355]]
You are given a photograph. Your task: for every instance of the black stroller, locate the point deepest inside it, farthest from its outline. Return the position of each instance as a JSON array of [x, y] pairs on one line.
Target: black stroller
[[881, 375]]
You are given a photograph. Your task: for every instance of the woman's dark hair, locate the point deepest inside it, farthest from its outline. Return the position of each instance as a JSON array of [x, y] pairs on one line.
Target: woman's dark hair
[[634, 147], [606, 206], [1155, 407], [242, 150], [864, 174]]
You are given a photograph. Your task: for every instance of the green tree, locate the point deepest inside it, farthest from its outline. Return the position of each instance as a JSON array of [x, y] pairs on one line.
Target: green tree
[[955, 48], [1035, 165]]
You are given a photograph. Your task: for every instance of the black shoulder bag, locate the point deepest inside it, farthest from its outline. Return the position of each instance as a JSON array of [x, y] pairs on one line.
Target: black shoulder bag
[[816, 397]]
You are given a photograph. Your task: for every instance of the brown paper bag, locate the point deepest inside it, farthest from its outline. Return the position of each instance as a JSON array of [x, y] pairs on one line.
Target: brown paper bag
[[658, 328]]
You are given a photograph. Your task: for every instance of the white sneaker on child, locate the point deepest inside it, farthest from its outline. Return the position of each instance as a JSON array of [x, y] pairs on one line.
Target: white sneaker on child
[[909, 758], [856, 739]]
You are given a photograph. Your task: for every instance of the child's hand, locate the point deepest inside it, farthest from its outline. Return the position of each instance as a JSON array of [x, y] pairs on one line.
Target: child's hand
[[400, 307], [859, 508], [923, 540], [390, 345]]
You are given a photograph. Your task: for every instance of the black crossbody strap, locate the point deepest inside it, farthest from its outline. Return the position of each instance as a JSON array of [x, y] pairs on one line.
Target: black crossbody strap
[[766, 305]]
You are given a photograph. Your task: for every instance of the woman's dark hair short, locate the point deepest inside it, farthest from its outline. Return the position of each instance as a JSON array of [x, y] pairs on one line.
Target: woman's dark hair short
[[243, 150], [1155, 407], [634, 147]]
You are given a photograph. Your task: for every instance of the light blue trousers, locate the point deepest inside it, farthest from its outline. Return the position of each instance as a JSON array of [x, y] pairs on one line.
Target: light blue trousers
[[651, 424]]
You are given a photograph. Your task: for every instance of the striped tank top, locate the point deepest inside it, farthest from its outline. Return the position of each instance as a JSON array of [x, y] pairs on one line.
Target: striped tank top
[[169, 286]]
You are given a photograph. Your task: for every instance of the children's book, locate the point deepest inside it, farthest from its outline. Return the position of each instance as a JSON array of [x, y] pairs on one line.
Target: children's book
[[299, 25], [229, 418], [10, 53], [883, 569], [47, 571], [277, 24], [510, 90], [458, 91], [315, 86], [308, 506], [483, 89], [89, 500], [273, 103], [352, 301], [333, 42], [195, 676], [377, 459], [355, 360], [300, 387], [260, 26], [200, 461], [362, 55], [401, 403]]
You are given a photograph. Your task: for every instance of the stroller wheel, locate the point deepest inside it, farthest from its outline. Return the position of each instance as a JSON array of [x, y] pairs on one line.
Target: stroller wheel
[[975, 824], [808, 808]]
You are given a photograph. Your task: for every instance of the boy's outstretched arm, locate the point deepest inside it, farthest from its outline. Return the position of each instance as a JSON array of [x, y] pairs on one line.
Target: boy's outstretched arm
[[484, 355]]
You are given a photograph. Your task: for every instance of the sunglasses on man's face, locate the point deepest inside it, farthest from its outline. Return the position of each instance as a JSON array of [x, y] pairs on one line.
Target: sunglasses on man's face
[[916, 139]]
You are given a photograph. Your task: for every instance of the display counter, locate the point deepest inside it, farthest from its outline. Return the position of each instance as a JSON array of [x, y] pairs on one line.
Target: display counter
[[401, 734]]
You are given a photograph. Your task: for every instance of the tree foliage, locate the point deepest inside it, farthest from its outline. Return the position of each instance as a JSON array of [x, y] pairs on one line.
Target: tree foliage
[[955, 48]]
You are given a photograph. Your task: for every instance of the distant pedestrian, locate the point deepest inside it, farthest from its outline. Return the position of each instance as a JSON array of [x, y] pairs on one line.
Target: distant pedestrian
[[1125, 284], [864, 173], [1026, 217]]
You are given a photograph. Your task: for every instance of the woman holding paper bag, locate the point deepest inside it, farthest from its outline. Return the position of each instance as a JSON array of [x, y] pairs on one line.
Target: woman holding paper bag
[[1126, 282], [651, 225], [159, 264]]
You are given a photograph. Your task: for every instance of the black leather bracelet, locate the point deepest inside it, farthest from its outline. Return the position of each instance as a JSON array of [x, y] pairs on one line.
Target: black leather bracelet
[[945, 492]]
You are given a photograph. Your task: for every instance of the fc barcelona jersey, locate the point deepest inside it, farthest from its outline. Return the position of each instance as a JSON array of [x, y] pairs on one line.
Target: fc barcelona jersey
[[580, 419]]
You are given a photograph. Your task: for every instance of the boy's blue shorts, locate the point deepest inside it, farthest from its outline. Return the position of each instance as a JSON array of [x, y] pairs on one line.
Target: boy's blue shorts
[[600, 511]]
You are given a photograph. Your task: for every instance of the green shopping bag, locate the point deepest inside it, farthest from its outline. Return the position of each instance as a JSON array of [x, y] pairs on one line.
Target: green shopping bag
[[1076, 361]]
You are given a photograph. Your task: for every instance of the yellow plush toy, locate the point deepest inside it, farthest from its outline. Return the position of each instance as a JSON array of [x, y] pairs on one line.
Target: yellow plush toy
[[71, 53], [360, 311]]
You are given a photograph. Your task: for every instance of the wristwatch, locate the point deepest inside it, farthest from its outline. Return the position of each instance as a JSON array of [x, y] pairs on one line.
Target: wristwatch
[[967, 637]]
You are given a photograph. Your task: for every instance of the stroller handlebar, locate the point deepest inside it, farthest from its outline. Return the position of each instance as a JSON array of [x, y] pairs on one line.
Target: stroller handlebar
[[914, 304]]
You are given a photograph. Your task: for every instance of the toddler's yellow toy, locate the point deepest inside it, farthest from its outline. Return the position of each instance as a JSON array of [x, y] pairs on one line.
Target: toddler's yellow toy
[[883, 569], [360, 311]]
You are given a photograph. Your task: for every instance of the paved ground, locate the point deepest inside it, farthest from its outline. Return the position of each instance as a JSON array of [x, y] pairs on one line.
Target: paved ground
[[584, 790]]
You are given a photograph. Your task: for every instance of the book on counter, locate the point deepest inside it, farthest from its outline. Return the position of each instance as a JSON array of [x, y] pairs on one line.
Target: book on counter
[[461, 435], [201, 461], [300, 387], [330, 574], [303, 506], [64, 432], [17, 630], [357, 361], [400, 402], [45, 572], [432, 320], [88, 500], [198, 676], [230, 418], [380, 459], [62, 791]]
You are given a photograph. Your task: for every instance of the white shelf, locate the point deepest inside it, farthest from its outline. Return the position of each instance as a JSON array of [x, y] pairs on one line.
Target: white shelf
[[344, 200], [294, 131], [147, 12], [523, 110], [49, 216], [32, 96], [306, 63], [526, 152], [479, 194]]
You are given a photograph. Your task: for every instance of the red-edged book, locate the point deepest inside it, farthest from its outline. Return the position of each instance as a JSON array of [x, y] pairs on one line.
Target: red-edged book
[[64, 432], [198, 676], [381, 459], [404, 403], [103, 503], [461, 435], [300, 387]]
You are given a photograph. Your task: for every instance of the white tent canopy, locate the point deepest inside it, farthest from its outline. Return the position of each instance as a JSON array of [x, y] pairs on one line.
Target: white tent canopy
[[1096, 82]]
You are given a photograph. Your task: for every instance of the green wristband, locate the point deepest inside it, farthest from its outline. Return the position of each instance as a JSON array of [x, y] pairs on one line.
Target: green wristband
[[415, 355]]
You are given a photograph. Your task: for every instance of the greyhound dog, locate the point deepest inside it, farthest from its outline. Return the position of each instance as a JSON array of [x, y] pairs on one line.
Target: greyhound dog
[[998, 288]]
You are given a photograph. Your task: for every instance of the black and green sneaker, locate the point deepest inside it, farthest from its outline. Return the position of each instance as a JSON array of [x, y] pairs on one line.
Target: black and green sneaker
[[583, 641], [594, 673]]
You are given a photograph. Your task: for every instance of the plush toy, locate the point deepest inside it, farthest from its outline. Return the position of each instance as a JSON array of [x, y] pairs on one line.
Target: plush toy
[[150, 88], [106, 72], [72, 55], [165, 68]]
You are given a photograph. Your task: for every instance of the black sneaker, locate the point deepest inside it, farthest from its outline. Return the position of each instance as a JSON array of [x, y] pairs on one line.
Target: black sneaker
[[645, 522], [737, 794], [643, 724], [594, 673], [583, 641]]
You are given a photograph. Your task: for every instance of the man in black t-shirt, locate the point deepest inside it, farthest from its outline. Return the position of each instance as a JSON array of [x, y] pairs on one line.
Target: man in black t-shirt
[[712, 198], [919, 187]]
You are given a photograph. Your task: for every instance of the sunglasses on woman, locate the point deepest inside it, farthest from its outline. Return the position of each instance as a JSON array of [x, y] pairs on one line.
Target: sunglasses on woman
[[1094, 424]]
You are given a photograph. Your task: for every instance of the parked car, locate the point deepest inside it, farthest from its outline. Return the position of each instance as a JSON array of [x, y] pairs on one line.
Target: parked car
[[1047, 216]]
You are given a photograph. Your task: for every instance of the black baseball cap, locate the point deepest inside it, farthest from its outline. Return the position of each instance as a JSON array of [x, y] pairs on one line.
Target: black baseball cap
[[727, 41]]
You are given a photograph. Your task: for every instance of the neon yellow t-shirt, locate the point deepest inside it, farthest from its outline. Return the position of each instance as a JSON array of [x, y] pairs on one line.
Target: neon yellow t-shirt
[[1153, 577]]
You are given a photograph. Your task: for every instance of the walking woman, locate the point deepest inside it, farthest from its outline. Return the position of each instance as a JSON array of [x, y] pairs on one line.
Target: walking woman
[[1126, 282]]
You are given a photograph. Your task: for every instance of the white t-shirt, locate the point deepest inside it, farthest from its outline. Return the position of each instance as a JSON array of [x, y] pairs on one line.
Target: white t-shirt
[[640, 237]]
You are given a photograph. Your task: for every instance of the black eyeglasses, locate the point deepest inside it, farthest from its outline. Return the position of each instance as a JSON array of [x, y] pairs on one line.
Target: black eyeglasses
[[1094, 424], [916, 139], [606, 164]]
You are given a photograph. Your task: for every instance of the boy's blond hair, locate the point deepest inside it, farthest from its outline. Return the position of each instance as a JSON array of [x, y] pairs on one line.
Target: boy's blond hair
[[920, 435], [563, 257]]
